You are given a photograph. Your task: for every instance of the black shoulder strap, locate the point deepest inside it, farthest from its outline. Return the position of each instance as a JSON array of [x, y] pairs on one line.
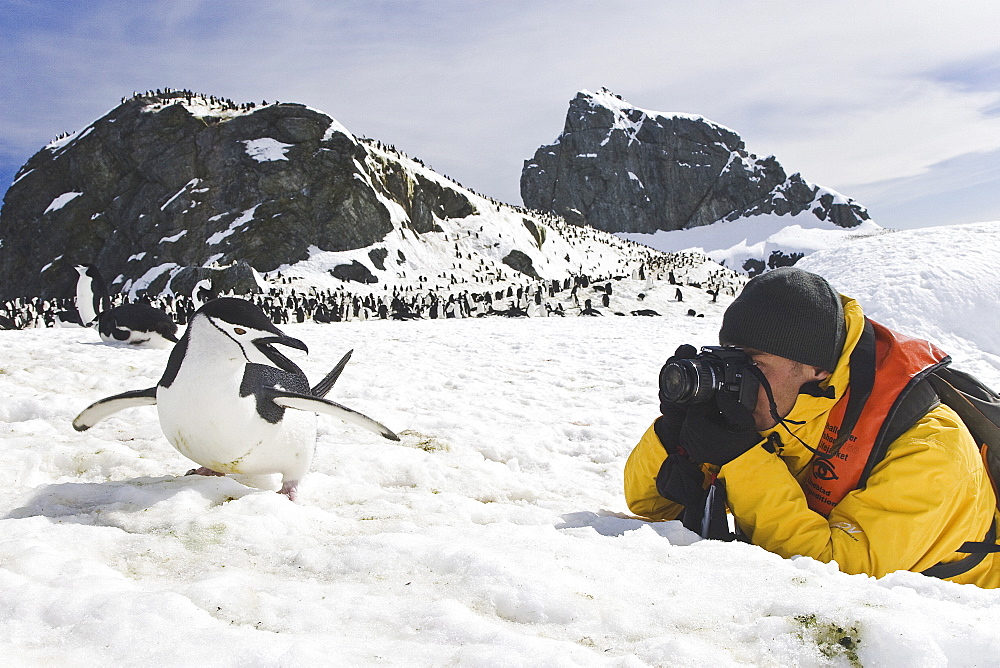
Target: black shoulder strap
[[976, 556], [916, 400], [975, 403], [860, 386]]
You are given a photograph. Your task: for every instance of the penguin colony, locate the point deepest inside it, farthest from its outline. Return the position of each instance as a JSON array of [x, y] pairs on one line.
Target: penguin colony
[[287, 302]]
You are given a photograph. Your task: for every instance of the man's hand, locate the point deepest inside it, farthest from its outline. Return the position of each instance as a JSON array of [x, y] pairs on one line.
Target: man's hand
[[719, 431]]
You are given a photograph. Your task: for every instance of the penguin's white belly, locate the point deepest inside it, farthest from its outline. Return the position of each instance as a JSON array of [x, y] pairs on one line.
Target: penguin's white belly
[[207, 421]]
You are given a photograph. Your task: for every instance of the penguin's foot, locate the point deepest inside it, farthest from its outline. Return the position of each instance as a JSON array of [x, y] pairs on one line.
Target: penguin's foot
[[290, 488], [204, 470]]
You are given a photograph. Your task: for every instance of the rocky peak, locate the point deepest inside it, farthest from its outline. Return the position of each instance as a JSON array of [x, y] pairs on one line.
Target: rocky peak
[[621, 168], [170, 184]]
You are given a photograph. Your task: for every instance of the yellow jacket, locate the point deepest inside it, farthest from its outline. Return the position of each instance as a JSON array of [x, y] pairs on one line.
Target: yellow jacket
[[928, 496]]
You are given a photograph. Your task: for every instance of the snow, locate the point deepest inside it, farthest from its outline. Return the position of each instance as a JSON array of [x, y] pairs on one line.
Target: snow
[[189, 184], [21, 177], [336, 127], [622, 109], [61, 201], [937, 282], [200, 106], [244, 218], [494, 533], [733, 242], [266, 149], [173, 238], [147, 278], [49, 265], [58, 145]]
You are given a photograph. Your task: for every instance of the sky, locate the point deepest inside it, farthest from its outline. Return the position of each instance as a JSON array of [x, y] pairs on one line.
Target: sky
[[896, 104]]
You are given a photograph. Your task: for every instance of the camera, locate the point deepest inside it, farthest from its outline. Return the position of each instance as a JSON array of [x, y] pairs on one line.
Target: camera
[[695, 380]]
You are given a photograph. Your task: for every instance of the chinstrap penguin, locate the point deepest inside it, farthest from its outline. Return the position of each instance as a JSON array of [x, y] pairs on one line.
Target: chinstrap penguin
[[137, 324], [223, 397], [91, 294]]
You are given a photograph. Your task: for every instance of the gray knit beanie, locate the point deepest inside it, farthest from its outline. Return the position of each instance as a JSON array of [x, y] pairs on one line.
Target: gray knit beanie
[[790, 313]]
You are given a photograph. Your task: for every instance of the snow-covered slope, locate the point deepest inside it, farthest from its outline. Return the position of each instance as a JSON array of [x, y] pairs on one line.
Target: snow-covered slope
[[732, 243], [468, 252], [495, 533], [937, 282]]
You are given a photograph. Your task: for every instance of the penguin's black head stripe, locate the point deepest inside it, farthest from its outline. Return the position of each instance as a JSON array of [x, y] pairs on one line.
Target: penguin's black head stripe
[[239, 312]]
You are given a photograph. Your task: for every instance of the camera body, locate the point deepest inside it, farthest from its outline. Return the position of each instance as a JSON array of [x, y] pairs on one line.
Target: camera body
[[695, 380]]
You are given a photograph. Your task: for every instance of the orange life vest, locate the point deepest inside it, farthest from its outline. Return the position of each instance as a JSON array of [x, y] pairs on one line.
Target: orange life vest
[[898, 361]]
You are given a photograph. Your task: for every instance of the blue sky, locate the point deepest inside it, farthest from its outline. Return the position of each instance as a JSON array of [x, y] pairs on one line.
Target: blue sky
[[896, 104]]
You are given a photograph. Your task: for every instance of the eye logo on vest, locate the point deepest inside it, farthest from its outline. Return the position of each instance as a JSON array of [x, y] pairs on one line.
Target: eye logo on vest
[[823, 469]]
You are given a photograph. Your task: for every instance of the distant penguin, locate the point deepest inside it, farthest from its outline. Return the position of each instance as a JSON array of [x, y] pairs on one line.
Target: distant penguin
[[91, 293], [202, 293], [222, 400], [138, 324]]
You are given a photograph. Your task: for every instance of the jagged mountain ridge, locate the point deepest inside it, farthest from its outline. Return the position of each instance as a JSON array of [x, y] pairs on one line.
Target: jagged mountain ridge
[[625, 169], [172, 187]]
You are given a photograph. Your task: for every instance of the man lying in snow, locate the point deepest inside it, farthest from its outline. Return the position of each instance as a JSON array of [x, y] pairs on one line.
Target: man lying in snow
[[789, 435]]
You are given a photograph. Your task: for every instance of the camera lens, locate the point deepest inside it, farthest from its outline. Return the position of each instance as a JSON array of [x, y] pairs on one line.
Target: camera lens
[[688, 381]]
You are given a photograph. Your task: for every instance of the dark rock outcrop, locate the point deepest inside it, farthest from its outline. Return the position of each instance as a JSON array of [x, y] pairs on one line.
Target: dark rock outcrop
[[520, 262], [624, 169], [167, 186], [354, 271]]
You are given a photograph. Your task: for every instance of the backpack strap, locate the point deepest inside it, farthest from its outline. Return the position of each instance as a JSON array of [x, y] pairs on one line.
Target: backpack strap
[[916, 400], [974, 403], [979, 409], [975, 411], [978, 553]]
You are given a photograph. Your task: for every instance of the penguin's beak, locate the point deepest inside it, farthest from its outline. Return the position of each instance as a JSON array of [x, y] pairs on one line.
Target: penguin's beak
[[267, 349]]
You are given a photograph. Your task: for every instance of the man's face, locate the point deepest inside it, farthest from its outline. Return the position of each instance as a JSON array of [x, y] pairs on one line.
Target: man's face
[[786, 377]]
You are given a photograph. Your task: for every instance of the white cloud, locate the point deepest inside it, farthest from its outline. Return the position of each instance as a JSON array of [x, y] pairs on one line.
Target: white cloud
[[845, 92]]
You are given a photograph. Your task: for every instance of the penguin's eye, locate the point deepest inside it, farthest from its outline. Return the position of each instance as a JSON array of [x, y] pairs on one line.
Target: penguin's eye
[[240, 330]]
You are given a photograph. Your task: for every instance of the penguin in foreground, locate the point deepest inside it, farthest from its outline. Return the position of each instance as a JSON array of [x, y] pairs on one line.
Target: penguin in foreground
[[223, 398], [137, 324]]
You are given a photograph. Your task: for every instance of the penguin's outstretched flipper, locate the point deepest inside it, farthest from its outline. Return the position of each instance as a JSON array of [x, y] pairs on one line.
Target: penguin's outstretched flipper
[[107, 406], [324, 386], [305, 402]]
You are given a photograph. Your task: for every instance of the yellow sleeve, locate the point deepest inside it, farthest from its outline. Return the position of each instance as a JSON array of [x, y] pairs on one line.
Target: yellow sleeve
[[928, 496], [640, 480]]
